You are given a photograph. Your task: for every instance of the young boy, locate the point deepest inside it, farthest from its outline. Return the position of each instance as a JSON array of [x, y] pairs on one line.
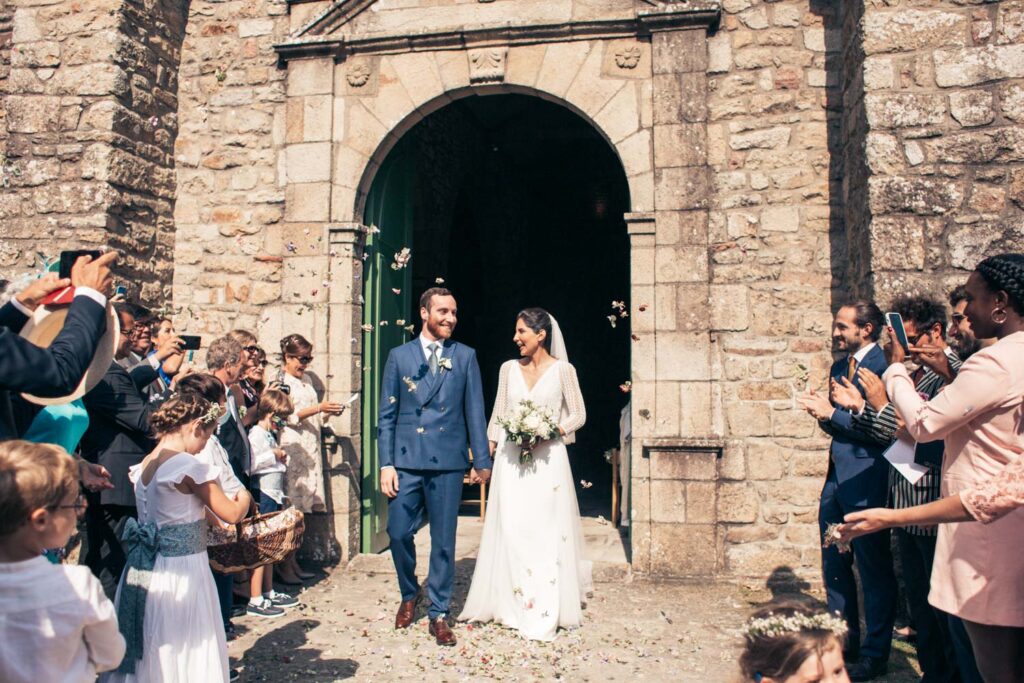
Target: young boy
[[268, 471], [55, 622]]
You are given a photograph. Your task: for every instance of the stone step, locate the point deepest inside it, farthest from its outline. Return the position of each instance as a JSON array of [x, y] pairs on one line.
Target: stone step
[[380, 563]]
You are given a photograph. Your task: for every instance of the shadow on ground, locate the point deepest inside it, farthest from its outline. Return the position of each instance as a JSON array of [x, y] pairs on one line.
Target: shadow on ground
[[284, 654]]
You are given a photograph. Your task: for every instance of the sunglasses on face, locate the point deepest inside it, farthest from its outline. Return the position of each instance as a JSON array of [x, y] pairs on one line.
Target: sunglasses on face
[[305, 360]]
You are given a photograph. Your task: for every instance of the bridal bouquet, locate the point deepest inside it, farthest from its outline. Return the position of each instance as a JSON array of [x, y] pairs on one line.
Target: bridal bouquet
[[527, 425]]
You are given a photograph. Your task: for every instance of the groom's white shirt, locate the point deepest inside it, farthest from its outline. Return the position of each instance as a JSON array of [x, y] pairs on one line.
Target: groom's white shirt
[[425, 343]]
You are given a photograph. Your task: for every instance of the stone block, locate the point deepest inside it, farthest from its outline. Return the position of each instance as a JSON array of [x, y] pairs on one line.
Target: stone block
[[768, 138], [780, 219], [682, 51], [310, 202], [758, 560], [625, 58], [32, 114], [311, 76], [562, 61], [897, 243], [308, 162], [683, 356], [664, 310], [666, 410], [680, 145], [972, 107], [316, 117], [681, 264], [1011, 101], [906, 29], [364, 132], [700, 502], [250, 28], [749, 419], [919, 195], [668, 501], [974, 65], [696, 410], [523, 64], [692, 307], [903, 110], [620, 118], [737, 503], [729, 307], [635, 153], [719, 52], [392, 102], [453, 69], [419, 74], [680, 465], [878, 73], [684, 549], [795, 424], [681, 188]]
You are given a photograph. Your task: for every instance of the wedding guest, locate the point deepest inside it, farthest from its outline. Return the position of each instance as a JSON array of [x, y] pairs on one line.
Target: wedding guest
[[961, 336], [858, 478], [301, 439], [268, 475], [793, 644], [253, 379], [163, 335], [55, 622], [225, 361], [139, 339], [118, 437], [58, 369], [166, 606], [924, 320], [977, 568], [250, 351]]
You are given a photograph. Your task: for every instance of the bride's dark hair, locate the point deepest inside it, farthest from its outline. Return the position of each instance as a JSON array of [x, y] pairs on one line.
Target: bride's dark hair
[[537, 319]]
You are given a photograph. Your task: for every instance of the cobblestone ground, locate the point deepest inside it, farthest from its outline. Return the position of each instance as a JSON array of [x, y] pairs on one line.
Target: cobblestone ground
[[634, 630]]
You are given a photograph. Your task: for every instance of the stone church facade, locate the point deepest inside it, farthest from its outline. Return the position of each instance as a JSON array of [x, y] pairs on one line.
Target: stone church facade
[[781, 158]]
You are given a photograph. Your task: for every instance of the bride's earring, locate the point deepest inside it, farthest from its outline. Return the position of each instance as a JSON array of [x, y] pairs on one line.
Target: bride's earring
[[999, 316]]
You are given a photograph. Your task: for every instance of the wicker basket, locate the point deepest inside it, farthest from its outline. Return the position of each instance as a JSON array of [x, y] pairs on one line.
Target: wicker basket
[[256, 541]]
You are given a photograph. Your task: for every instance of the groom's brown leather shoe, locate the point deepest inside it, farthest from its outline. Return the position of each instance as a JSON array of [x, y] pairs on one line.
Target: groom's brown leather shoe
[[406, 612], [442, 633]]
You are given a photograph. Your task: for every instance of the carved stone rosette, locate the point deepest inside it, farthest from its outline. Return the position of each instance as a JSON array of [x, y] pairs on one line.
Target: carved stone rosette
[[487, 65], [358, 74], [628, 57]]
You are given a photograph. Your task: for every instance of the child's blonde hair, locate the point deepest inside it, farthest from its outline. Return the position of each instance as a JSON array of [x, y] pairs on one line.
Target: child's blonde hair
[[780, 638], [32, 476]]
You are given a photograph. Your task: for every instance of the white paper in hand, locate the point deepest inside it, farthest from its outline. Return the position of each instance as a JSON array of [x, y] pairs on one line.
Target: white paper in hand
[[901, 456]]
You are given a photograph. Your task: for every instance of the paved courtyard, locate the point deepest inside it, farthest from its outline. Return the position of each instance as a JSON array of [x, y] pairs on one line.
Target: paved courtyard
[[635, 629]]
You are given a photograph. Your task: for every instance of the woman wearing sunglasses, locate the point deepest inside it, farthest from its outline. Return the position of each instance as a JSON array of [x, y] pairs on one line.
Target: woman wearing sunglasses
[[300, 437]]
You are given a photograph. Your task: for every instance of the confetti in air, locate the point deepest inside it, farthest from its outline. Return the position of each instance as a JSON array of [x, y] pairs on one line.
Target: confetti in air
[[635, 337], [439, 281], [626, 387], [586, 484], [400, 322], [613, 321], [396, 290], [367, 327], [409, 383], [402, 258], [643, 307], [382, 323], [291, 247]]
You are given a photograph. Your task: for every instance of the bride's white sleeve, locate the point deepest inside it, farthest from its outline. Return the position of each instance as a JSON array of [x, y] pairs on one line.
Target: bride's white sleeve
[[494, 430], [574, 411]]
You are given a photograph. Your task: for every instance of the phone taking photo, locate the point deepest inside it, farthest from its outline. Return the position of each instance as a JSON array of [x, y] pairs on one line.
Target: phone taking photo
[[895, 321], [68, 258], [191, 342]]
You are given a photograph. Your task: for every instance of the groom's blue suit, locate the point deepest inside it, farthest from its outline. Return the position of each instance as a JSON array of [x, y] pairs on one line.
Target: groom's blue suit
[[426, 425]]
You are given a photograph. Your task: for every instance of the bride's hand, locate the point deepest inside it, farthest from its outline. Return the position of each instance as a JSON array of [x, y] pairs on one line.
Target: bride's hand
[[493, 445]]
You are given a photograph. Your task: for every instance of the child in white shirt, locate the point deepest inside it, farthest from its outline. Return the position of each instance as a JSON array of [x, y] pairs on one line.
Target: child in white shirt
[[56, 624], [268, 470]]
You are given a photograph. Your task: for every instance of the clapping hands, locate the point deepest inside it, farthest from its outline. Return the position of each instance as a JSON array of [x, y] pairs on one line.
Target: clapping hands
[[817, 405]]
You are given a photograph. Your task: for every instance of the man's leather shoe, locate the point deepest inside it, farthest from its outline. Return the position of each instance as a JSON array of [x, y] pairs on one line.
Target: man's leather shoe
[[442, 633], [867, 669], [406, 613]]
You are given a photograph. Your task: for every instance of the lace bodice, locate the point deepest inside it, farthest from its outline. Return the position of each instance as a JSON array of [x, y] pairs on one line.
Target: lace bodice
[[558, 389]]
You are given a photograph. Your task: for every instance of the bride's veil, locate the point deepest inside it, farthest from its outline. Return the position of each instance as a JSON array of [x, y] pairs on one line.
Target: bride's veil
[[557, 341]]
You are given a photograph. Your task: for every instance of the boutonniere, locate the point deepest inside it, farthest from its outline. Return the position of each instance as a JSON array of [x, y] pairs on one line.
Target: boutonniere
[[445, 364], [242, 410]]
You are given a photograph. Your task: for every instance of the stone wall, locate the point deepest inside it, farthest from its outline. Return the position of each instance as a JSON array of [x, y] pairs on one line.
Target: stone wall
[[771, 109], [89, 133], [944, 108]]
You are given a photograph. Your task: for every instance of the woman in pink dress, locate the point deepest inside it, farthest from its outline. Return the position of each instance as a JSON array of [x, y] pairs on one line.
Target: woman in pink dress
[[978, 573]]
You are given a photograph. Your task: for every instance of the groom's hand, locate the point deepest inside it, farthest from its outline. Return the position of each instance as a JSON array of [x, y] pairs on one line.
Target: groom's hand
[[389, 481], [482, 476]]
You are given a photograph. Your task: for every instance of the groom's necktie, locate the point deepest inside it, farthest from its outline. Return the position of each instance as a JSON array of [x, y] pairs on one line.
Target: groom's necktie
[[434, 362]]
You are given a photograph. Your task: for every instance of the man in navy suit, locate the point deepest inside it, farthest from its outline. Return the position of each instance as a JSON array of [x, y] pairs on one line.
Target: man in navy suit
[[57, 370], [431, 410], [858, 478]]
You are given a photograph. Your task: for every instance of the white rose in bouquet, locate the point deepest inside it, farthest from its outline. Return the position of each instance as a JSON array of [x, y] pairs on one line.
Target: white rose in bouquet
[[528, 425]]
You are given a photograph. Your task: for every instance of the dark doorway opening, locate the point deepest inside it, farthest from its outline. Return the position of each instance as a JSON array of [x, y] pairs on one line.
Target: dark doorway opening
[[519, 202]]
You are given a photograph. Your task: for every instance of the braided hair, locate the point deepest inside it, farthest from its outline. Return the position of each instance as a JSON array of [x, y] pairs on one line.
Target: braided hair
[[178, 411], [1005, 273]]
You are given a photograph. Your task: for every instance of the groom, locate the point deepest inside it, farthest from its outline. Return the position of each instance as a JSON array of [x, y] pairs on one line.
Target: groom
[[431, 409]]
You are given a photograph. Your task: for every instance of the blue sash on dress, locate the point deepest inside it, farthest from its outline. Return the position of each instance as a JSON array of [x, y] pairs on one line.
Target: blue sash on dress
[[144, 542]]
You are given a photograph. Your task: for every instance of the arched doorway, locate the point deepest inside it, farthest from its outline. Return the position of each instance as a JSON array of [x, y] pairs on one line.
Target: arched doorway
[[513, 201]]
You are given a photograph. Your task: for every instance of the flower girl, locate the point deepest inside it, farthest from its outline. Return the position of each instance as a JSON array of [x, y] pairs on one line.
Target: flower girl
[[166, 603]]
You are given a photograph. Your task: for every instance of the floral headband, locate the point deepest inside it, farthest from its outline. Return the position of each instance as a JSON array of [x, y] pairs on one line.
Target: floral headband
[[775, 625], [212, 414]]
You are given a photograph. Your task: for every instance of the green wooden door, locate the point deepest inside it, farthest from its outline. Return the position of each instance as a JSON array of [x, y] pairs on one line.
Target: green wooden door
[[389, 208]]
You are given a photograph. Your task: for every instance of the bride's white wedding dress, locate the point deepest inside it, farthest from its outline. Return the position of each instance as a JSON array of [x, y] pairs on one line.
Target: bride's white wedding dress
[[530, 573]]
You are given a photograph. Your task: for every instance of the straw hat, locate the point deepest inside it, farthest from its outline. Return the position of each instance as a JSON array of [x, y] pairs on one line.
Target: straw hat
[[44, 326]]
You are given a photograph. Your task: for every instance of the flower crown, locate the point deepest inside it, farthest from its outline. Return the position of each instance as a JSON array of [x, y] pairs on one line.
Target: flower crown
[[212, 414], [775, 625]]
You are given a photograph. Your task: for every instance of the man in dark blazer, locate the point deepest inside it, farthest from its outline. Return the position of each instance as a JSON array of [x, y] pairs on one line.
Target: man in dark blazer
[[118, 437], [58, 369], [431, 413], [858, 478]]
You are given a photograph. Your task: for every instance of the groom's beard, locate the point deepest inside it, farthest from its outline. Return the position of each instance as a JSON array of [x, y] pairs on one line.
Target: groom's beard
[[439, 332]]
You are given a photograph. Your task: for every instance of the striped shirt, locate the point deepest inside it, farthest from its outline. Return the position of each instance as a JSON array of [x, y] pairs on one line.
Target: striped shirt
[[882, 425]]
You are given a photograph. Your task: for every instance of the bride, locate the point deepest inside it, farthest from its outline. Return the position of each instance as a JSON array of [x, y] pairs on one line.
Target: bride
[[530, 573]]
